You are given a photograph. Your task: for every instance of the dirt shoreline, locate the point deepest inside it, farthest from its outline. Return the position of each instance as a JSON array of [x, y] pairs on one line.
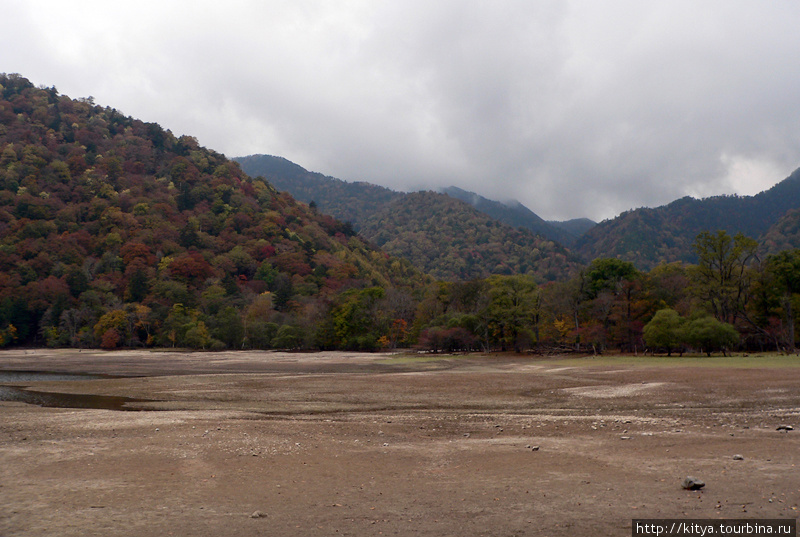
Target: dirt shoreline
[[253, 443]]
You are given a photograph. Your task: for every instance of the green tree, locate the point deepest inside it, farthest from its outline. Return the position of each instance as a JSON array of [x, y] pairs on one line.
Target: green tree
[[514, 310], [721, 277], [260, 334], [357, 321], [667, 286], [606, 274], [198, 336], [228, 327], [564, 302], [610, 287], [287, 337], [708, 335], [664, 331], [778, 292], [77, 281], [138, 285], [179, 321], [266, 273]]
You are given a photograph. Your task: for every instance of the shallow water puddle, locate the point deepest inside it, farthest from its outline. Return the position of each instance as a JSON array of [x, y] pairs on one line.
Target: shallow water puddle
[[56, 399]]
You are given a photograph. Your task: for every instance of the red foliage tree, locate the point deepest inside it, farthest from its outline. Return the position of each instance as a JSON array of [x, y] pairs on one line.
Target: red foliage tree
[[191, 267], [110, 339], [136, 250]]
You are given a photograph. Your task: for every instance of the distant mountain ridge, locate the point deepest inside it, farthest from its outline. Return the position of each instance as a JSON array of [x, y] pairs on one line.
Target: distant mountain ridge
[[439, 233], [451, 240], [515, 214], [650, 236], [356, 201], [346, 201], [644, 236], [575, 227]]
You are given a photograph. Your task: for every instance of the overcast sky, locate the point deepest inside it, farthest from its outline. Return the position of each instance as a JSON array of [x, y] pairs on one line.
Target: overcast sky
[[575, 108]]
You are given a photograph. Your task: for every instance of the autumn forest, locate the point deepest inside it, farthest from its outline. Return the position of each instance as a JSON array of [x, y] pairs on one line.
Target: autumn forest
[[116, 233]]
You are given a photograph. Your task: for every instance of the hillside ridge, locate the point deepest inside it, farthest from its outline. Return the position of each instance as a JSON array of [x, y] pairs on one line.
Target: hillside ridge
[[114, 231]]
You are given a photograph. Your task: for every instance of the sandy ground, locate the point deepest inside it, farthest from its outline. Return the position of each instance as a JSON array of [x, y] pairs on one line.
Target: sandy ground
[[262, 444]]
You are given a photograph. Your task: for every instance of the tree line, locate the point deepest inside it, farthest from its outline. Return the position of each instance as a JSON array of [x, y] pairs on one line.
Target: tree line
[[731, 299], [116, 233]]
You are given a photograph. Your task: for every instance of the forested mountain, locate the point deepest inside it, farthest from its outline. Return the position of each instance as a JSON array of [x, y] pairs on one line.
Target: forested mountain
[[355, 202], [440, 234], [646, 236], [575, 227], [115, 232], [451, 240], [349, 202], [517, 215], [783, 235], [665, 234]]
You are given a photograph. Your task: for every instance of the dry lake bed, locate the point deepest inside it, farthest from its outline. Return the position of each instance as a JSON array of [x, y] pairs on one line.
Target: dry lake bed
[[141, 443]]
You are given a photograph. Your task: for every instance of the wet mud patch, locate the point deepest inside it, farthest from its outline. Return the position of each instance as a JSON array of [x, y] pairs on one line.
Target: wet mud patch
[[71, 400], [20, 392]]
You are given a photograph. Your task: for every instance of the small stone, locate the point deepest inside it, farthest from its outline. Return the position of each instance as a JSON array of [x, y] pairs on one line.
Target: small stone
[[466, 435], [785, 428], [738, 457], [692, 483], [258, 514], [624, 437], [535, 448]]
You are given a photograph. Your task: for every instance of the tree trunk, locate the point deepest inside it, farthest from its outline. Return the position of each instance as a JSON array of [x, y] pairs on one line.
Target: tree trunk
[[790, 322]]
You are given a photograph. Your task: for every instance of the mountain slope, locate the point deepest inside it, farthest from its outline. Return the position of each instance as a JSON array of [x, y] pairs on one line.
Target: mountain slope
[[354, 202], [349, 202], [113, 231], [451, 240], [783, 234], [647, 237], [575, 227], [514, 214]]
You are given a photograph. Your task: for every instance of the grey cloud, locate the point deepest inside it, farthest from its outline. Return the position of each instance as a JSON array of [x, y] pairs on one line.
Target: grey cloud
[[575, 108]]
